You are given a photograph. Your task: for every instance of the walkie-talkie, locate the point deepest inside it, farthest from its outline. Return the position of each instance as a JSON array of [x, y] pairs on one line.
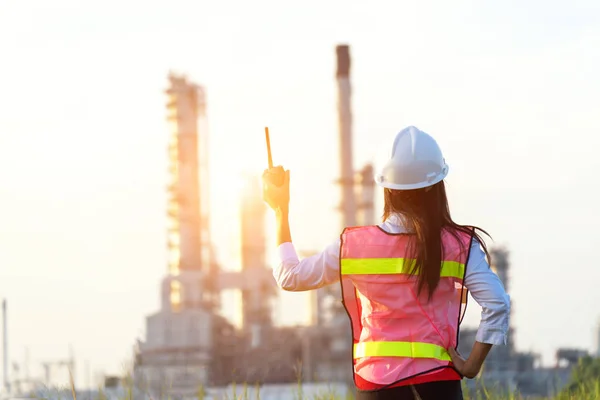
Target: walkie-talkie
[[277, 175]]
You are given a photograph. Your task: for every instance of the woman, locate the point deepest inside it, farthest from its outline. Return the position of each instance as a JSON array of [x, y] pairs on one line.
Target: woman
[[404, 282]]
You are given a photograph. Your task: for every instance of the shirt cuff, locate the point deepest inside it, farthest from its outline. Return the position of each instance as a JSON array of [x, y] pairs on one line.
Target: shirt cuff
[[287, 251], [494, 336]]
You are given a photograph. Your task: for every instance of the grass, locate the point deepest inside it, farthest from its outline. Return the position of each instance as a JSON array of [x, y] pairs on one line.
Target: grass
[[586, 391], [590, 391]]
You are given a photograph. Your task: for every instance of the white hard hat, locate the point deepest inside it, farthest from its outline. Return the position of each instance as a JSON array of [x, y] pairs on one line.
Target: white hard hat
[[415, 162]]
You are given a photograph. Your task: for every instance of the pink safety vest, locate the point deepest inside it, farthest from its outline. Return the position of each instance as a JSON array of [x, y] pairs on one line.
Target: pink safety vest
[[398, 335]]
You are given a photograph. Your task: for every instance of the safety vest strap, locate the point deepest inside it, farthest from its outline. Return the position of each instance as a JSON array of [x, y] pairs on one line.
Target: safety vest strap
[[378, 266], [400, 349]]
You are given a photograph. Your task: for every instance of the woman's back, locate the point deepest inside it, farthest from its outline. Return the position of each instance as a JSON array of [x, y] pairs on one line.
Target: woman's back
[[397, 332]]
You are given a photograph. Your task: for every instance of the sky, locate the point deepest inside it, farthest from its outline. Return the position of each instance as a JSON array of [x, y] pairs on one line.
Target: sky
[[510, 90]]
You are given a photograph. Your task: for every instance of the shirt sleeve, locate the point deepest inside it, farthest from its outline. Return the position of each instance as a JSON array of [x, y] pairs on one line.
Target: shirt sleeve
[[310, 273], [488, 291]]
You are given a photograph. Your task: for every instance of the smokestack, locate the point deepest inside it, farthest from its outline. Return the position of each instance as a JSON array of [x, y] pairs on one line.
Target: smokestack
[[5, 346], [348, 206], [367, 204]]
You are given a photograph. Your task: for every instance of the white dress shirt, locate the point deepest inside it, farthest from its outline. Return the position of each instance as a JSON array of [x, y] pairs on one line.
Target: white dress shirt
[[484, 285]]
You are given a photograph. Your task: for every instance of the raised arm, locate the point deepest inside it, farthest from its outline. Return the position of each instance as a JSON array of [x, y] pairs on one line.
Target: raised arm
[[292, 274], [283, 226], [310, 273]]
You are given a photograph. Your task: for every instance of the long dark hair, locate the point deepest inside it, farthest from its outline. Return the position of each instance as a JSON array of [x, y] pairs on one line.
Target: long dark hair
[[426, 214]]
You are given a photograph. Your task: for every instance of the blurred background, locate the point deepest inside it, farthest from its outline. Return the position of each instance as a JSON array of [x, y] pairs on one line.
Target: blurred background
[[87, 169]]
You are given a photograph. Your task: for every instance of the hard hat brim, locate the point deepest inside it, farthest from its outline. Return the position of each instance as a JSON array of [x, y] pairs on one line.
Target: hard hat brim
[[380, 181]]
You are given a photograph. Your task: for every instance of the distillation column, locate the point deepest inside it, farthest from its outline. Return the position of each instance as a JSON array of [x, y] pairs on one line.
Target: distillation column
[[188, 237], [330, 309], [501, 356], [178, 350]]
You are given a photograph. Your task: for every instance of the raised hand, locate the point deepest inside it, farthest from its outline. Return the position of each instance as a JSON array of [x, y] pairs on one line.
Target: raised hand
[[276, 188]]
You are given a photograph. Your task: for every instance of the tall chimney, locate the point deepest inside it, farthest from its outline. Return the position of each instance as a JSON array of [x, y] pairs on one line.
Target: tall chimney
[[5, 346], [348, 200], [367, 199]]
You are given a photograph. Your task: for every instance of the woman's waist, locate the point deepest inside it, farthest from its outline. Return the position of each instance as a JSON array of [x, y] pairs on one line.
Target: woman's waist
[[398, 371], [444, 374]]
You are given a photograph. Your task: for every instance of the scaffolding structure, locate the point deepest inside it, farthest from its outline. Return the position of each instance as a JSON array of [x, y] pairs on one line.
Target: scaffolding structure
[[178, 349], [188, 342]]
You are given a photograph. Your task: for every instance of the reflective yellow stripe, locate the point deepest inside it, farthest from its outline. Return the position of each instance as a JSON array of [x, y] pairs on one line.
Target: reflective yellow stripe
[[400, 349], [377, 266]]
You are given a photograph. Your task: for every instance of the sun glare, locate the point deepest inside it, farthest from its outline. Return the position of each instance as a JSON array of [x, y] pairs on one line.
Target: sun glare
[[233, 187]]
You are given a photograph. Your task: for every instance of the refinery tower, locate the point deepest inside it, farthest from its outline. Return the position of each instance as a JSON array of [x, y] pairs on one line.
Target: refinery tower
[[188, 343]]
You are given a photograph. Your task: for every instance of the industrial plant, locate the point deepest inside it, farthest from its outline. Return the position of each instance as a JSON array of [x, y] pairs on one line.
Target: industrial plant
[[188, 342]]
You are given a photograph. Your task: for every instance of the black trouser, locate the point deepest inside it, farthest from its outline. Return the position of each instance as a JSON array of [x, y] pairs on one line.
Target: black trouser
[[440, 390]]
